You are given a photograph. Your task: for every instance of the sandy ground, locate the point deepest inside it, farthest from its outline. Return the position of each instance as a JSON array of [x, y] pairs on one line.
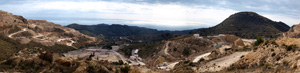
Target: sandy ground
[[221, 63], [201, 56]]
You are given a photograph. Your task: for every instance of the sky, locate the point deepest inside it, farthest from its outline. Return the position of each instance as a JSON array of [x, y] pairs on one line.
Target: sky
[[157, 14]]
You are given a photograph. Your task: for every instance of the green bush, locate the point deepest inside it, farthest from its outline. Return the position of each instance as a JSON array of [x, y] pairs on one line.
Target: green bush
[[291, 47], [186, 52], [46, 56], [125, 69], [231, 68], [174, 49], [274, 43], [120, 62], [259, 40]]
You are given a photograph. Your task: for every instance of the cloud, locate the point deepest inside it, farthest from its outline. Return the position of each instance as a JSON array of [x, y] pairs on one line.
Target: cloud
[[288, 20], [167, 15], [160, 14]]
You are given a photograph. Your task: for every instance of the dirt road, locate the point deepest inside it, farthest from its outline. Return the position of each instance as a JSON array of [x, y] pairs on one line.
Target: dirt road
[[167, 48], [201, 56], [221, 63]]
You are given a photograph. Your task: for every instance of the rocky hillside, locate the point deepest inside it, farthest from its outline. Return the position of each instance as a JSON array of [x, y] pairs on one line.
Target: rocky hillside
[[40, 31], [37, 60], [270, 57], [247, 25], [294, 32]]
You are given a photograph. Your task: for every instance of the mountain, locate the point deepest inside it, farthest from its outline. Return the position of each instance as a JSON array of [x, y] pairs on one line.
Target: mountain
[[294, 32], [117, 30], [247, 25]]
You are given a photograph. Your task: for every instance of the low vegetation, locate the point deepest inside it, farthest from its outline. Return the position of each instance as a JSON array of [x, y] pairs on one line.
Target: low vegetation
[[259, 40], [291, 47]]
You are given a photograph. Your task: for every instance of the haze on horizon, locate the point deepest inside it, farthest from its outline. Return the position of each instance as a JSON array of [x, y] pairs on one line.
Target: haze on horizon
[[157, 14]]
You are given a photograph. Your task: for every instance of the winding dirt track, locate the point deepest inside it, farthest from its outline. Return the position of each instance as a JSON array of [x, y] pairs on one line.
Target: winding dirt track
[[23, 30]]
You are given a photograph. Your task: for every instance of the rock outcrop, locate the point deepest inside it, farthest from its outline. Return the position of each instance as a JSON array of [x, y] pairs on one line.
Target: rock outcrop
[[294, 32]]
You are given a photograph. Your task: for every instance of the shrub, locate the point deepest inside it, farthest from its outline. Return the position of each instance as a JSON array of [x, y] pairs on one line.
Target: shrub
[[284, 45], [46, 56], [272, 49], [97, 69], [186, 51], [231, 68], [266, 43], [273, 54], [174, 49], [274, 43], [120, 62], [291, 47], [107, 47], [201, 59], [259, 40], [125, 69]]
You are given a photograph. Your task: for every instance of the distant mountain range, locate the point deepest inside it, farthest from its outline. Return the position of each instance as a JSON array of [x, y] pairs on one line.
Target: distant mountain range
[[242, 24], [117, 30], [247, 25]]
